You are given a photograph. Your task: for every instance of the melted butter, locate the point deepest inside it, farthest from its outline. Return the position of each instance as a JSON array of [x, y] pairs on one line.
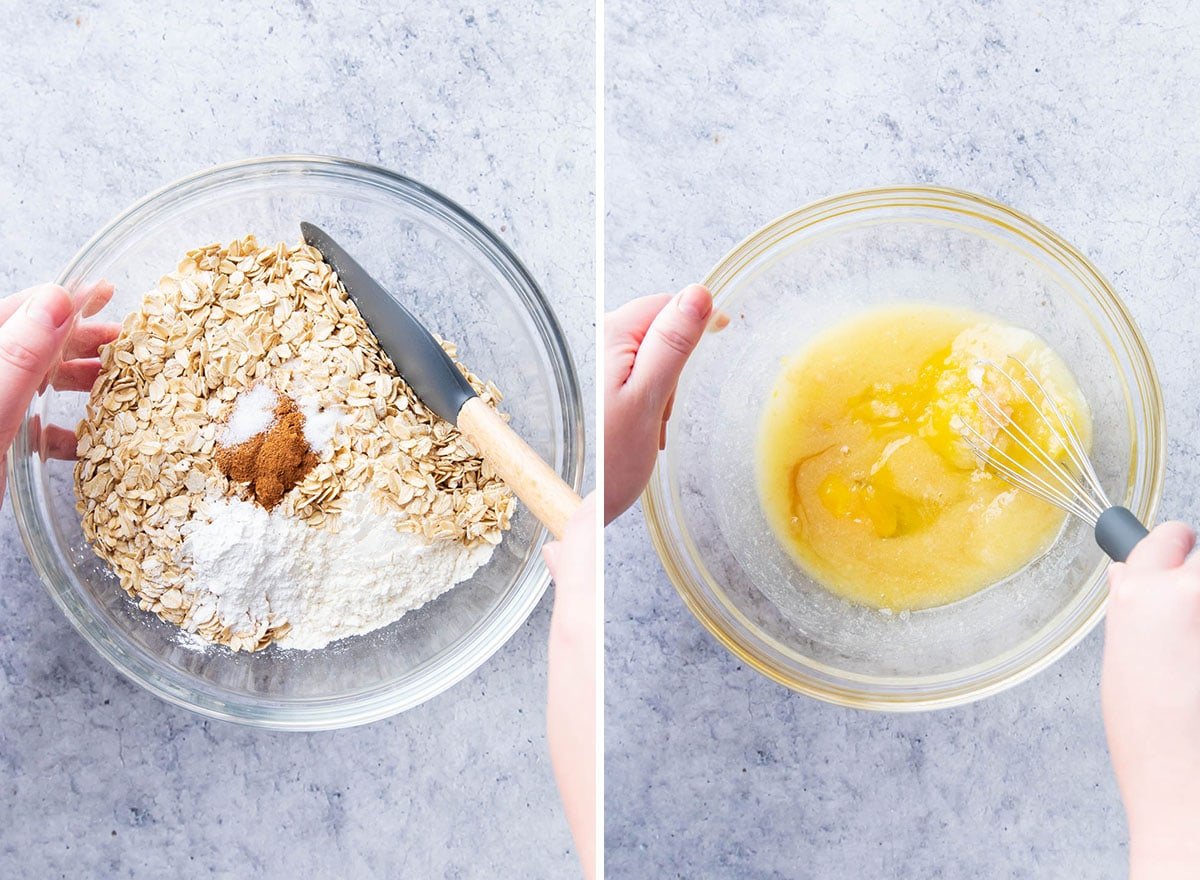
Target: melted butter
[[864, 474]]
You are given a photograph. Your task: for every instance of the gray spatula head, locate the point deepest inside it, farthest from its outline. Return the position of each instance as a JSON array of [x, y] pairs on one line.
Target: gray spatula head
[[418, 358]]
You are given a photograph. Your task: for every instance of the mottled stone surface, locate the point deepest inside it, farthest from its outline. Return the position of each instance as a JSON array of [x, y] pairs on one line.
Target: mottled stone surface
[[102, 102], [719, 118]]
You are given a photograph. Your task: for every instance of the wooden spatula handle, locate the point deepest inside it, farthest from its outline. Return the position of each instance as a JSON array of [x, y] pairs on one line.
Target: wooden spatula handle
[[535, 483]]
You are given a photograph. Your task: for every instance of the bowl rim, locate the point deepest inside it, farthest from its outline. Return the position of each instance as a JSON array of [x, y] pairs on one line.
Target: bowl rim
[[482, 641], [845, 689]]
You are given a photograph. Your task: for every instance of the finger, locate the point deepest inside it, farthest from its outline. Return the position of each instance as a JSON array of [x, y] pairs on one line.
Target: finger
[[30, 342], [551, 553], [662, 431], [87, 337], [10, 304], [59, 443], [54, 441], [88, 300], [1192, 562], [635, 316], [623, 333], [641, 311], [670, 407], [1166, 547], [76, 375], [672, 337], [719, 321], [1116, 574], [94, 297]]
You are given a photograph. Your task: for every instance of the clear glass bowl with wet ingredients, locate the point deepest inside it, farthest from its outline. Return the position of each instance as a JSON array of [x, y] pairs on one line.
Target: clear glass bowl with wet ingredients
[[468, 286], [782, 286]]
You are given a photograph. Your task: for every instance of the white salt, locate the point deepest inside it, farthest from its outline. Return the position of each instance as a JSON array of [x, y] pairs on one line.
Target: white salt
[[253, 412]]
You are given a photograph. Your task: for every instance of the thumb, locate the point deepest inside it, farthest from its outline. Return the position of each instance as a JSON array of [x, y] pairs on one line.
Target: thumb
[[30, 344], [672, 336], [551, 553], [1116, 574], [1166, 547]]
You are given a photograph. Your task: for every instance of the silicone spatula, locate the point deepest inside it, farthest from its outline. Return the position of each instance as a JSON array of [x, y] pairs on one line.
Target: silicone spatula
[[434, 378]]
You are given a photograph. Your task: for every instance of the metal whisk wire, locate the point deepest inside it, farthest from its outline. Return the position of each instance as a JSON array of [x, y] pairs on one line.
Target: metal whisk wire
[[1071, 486]]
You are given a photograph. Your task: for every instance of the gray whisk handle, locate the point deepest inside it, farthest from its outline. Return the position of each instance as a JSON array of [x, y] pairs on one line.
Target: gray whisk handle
[[1118, 532]]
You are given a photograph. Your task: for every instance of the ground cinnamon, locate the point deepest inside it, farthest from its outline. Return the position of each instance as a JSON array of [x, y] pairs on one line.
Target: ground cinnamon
[[273, 461]]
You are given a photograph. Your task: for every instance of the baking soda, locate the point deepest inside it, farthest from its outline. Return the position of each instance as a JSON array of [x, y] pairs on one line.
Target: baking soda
[[319, 424]]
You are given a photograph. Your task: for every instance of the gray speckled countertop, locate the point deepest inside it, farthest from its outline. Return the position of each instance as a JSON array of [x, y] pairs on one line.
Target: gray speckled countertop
[[723, 116], [102, 102]]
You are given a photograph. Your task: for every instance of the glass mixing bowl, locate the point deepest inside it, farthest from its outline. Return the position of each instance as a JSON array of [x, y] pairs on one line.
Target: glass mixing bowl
[[787, 283], [466, 285]]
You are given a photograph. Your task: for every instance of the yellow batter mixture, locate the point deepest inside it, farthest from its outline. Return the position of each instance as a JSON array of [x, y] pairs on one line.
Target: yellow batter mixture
[[863, 472]]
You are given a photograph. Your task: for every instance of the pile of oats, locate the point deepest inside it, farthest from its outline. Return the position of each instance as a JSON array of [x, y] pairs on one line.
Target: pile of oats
[[230, 317]]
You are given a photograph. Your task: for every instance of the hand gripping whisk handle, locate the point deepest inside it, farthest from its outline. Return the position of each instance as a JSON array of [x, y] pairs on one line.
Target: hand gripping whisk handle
[[1118, 532]]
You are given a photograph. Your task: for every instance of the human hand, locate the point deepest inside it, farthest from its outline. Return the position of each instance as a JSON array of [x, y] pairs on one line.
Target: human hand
[[571, 685], [646, 344], [41, 342], [1151, 698]]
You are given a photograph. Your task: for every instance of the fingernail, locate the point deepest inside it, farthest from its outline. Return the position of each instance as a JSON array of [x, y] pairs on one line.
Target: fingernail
[[51, 307], [695, 302], [82, 297]]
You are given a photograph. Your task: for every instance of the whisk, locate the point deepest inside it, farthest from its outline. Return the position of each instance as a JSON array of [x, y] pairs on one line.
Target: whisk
[[1071, 485]]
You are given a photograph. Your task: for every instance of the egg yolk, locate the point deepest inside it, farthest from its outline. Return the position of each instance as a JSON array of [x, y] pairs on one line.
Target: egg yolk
[[865, 475]]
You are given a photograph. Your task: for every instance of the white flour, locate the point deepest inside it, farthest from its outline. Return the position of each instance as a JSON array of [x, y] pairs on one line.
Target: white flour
[[252, 566]]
